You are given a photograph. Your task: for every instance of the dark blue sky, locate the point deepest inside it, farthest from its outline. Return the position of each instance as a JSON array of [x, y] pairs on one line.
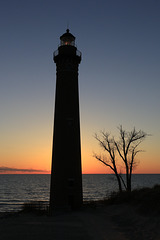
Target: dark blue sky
[[119, 74]]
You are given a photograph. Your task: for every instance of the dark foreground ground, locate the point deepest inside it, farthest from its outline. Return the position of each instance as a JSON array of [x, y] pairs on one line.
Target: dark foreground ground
[[134, 216], [114, 222]]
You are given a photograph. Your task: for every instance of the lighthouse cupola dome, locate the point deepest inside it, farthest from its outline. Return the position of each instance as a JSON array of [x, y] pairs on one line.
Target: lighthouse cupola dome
[[67, 39]]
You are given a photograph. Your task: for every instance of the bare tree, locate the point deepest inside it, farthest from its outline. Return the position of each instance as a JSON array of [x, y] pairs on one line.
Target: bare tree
[[126, 148], [108, 145]]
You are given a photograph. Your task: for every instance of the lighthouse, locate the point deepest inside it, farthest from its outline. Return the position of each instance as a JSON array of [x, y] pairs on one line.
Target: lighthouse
[[66, 173]]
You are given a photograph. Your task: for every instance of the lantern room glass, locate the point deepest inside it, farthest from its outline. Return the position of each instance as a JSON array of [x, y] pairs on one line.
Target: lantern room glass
[[67, 39]]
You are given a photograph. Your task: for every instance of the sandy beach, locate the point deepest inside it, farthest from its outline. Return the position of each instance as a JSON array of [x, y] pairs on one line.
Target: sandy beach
[[113, 222]]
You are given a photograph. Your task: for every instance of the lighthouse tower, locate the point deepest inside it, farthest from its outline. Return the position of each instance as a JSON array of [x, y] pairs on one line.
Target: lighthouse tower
[[66, 175]]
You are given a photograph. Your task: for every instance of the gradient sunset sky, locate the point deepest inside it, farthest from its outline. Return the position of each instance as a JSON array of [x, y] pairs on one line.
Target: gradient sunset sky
[[119, 77]]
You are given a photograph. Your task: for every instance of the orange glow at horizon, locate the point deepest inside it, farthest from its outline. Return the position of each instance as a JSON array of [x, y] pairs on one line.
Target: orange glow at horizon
[[89, 166], [38, 161]]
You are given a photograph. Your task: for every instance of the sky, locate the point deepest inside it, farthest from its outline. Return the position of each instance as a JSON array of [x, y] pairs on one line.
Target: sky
[[119, 80]]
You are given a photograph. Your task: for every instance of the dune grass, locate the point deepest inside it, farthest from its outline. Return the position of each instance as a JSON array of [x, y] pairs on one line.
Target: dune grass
[[37, 207], [146, 199]]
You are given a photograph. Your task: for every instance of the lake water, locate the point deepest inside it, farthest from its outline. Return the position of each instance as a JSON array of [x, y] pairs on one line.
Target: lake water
[[17, 189]]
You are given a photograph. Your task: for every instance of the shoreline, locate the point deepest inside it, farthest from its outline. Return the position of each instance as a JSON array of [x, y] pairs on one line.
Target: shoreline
[[125, 216]]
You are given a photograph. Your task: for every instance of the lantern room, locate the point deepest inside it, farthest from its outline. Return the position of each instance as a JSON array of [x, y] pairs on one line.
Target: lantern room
[[67, 39]]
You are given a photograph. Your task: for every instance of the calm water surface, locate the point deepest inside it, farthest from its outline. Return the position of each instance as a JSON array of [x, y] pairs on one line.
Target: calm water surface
[[17, 189]]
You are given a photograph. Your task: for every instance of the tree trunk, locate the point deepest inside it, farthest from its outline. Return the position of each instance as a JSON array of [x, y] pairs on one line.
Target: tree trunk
[[119, 182], [128, 179]]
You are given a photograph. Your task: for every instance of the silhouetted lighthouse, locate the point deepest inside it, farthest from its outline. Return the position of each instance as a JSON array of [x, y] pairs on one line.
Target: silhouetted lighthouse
[[66, 176]]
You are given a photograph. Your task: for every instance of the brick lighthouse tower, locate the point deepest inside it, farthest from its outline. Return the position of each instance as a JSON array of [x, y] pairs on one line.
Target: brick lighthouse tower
[[66, 175]]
